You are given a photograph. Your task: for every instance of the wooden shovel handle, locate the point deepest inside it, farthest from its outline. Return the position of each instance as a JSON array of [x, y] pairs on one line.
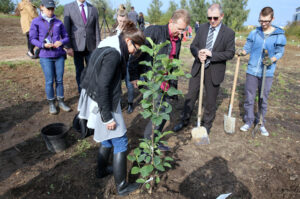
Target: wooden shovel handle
[[201, 91], [234, 83]]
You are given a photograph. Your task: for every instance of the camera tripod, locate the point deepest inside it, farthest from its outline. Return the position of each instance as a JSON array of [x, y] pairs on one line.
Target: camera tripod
[[104, 23]]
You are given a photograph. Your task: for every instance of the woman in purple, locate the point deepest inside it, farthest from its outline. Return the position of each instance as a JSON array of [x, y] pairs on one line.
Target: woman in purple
[[49, 34]]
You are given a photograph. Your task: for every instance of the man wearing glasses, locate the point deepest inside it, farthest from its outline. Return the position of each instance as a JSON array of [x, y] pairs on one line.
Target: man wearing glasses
[[159, 34], [266, 37], [214, 44]]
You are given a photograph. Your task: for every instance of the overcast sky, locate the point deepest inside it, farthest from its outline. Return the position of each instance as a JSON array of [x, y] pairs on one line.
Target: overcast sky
[[284, 9]]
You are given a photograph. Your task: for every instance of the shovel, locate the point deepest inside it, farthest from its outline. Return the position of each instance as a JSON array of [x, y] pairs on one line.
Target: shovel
[[259, 124], [229, 122], [199, 133]]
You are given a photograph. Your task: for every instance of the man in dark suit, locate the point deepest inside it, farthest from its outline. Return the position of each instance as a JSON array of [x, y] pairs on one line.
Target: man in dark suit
[[81, 21], [214, 44]]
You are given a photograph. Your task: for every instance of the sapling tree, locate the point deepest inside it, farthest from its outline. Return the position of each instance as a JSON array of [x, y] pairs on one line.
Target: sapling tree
[[150, 161]]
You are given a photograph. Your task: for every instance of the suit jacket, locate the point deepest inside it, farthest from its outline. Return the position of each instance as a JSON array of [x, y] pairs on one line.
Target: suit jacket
[[81, 35], [223, 50]]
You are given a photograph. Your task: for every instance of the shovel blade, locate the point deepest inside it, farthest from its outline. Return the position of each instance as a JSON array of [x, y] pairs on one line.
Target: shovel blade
[[229, 124], [200, 136]]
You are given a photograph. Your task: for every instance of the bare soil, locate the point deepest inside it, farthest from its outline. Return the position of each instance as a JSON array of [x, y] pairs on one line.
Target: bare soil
[[264, 167]]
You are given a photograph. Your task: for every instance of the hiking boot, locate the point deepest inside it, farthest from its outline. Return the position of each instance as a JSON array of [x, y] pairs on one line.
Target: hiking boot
[[264, 131], [245, 127], [52, 107], [62, 105]]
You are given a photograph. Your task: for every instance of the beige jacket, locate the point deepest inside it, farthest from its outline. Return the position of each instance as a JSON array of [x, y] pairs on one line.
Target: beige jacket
[[28, 13]]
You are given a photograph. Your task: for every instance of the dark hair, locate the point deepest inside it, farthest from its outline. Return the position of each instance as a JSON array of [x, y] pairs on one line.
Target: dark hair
[[181, 14], [266, 11], [129, 30]]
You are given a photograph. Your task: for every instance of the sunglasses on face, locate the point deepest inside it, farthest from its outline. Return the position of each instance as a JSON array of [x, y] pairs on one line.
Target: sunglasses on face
[[215, 18], [137, 51]]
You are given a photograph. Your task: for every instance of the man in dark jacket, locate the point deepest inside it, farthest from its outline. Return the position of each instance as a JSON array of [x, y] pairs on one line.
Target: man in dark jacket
[[82, 25], [159, 34], [214, 44]]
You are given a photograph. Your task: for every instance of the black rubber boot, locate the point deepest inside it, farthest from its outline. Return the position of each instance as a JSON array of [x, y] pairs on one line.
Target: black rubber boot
[[102, 162], [52, 107], [120, 171], [62, 105], [83, 128], [130, 108]]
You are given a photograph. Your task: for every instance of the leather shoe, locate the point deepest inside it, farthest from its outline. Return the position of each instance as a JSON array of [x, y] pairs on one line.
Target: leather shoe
[[179, 126], [130, 108]]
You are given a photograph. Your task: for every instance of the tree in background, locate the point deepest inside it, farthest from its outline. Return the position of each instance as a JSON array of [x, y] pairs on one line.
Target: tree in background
[[184, 4], [104, 9], [37, 3], [167, 16], [59, 11], [7, 6], [198, 11], [128, 5], [235, 13], [154, 12]]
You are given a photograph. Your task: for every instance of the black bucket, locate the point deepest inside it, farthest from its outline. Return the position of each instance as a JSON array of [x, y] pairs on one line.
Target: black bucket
[[54, 136]]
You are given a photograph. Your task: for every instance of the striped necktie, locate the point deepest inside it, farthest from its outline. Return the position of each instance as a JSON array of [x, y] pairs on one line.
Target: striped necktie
[[209, 42]]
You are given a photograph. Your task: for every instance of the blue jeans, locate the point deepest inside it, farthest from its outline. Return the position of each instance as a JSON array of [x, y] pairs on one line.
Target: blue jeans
[[129, 85], [252, 84], [53, 69], [79, 58], [119, 144]]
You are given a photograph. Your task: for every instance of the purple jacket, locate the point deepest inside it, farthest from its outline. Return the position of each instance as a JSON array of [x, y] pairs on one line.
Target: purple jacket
[[38, 30]]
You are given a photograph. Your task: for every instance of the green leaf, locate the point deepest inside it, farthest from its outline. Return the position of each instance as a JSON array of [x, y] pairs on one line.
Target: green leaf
[[149, 75], [160, 46], [140, 180], [169, 158], [146, 49], [173, 91], [158, 152], [157, 180], [170, 77], [166, 133], [146, 114], [157, 160], [166, 164], [160, 167], [147, 63], [135, 170], [143, 90], [178, 72], [131, 158], [137, 151], [142, 83], [146, 170], [156, 119], [144, 145], [176, 62], [188, 75], [148, 186], [147, 94], [161, 56], [165, 116], [168, 109], [150, 41], [146, 105], [141, 158], [148, 159]]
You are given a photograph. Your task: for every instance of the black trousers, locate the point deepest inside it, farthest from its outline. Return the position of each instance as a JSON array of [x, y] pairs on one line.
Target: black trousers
[[29, 45], [81, 57], [209, 100]]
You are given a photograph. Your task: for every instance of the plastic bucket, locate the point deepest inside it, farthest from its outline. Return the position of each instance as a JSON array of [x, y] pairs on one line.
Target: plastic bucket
[[54, 136]]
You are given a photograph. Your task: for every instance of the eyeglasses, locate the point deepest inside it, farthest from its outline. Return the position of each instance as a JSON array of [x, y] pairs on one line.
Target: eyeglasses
[[215, 18], [262, 21], [137, 51]]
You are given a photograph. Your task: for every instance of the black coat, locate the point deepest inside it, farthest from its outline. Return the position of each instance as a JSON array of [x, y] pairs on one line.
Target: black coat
[[159, 34], [223, 50], [102, 80]]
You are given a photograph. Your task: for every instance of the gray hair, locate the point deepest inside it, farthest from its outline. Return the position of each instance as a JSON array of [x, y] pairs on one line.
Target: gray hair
[[215, 6]]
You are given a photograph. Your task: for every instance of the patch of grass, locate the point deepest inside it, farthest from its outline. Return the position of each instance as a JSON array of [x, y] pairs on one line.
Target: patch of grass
[[82, 146], [255, 143], [69, 64], [8, 16], [14, 64]]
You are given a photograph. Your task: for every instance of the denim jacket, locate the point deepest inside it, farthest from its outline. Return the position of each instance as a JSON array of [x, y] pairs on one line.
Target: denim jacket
[[38, 30], [257, 42]]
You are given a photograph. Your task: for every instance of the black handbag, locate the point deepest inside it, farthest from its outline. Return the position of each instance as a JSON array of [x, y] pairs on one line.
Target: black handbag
[[37, 51]]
